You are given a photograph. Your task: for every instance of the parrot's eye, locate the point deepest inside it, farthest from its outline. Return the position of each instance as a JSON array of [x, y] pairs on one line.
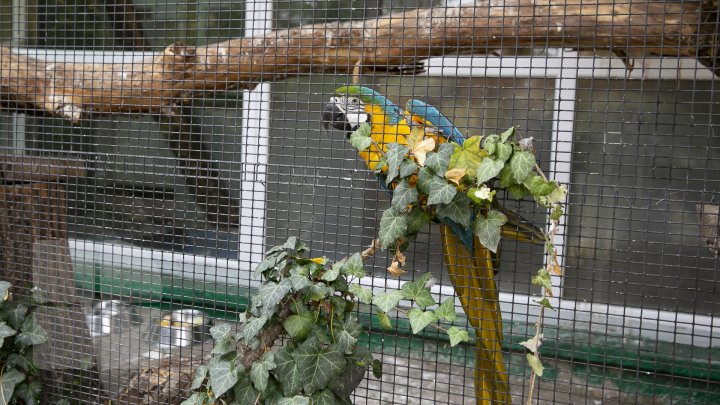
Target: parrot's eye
[[353, 100]]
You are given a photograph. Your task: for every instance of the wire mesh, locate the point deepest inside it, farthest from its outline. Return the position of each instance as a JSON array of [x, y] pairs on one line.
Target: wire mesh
[[126, 218]]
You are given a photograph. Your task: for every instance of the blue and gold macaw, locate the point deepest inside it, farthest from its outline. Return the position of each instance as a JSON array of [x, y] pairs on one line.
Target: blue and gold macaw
[[470, 265]]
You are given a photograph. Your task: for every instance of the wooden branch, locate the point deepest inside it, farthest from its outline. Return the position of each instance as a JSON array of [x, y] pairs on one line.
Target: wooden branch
[[635, 28]]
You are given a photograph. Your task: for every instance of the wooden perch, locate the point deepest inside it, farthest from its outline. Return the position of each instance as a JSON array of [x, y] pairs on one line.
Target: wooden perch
[[394, 42]]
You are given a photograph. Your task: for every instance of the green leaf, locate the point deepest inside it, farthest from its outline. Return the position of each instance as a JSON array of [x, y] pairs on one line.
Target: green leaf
[[439, 191], [489, 169], [490, 143], [221, 332], [287, 372], [539, 187], [467, 156], [407, 168], [419, 293], [318, 291], [535, 364], [197, 398], [298, 282], [299, 326], [446, 310], [363, 294], [346, 333], [404, 195], [353, 266], [5, 331], [558, 195], [377, 368], [221, 375], [199, 376], [4, 290], [506, 177], [31, 333], [270, 262], [557, 212], [503, 152], [245, 392], [223, 347], [260, 370], [489, 229], [360, 139], [417, 219], [324, 397], [439, 161], [8, 380], [419, 319], [270, 294], [387, 301], [521, 163], [15, 316], [332, 273], [318, 365], [545, 303], [457, 335], [518, 191], [296, 400], [384, 320], [507, 134], [394, 156], [393, 225], [533, 344], [425, 177], [543, 279], [252, 327], [458, 210], [29, 392]]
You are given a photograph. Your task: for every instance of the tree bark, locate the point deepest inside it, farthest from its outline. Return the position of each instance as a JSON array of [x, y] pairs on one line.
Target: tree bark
[[388, 43]]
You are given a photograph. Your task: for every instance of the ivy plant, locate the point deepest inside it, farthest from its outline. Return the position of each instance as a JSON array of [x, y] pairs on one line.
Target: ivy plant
[[19, 334]]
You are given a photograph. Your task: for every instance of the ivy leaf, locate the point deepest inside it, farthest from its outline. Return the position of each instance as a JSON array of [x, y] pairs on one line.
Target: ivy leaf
[[490, 143], [446, 310], [296, 400], [363, 294], [31, 333], [287, 372], [439, 191], [299, 326], [440, 160], [270, 294], [16, 316], [332, 273], [506, 177], [223, 347], [252, 327], [467, 156], [346, 333], [197, 398], [377, 368], [489, 169], [353, 266], [318, 365], [260, 371], [489, 229], [394, 156], [199, 376], [518, 191], [360, 139], [503, 152], [535, 364], [545, 303], [221, 375], [324, 397], [8, 380], [455, 175], [417, 219], [457, 335], [245, 392], [4, 290], [387, 301], [543, 280], [5, 331], [271, 261], [221, 332], [404, 195], [29, 393], [521, 163], [298, 282], [407, 168], [417, 292], [420, 149], [384, 319], [507, 134], [318, 291], [393, 225], [458, 210], [419, 319], [558, 195], [533, 344], [539, 187]]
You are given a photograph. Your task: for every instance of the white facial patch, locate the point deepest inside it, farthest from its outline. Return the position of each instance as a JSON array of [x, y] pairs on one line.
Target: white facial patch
[[353, 108]]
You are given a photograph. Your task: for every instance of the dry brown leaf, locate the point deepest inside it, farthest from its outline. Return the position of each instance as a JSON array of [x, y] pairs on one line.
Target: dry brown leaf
[[400, 257], [421, 149], [395, 269], [455, 175], [554, 265]]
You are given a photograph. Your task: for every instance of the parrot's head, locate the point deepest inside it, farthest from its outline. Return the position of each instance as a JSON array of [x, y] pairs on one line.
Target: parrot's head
[[353, 105]]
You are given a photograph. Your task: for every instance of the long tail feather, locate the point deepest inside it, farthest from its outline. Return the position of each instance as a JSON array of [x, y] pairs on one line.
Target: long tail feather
[[474, 281]]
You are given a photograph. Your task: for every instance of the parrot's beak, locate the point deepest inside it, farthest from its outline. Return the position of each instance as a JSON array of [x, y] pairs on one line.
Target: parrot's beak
[[335, 118]]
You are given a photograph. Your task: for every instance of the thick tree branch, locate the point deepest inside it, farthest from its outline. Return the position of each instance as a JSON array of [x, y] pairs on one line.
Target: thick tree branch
[[394, 42]]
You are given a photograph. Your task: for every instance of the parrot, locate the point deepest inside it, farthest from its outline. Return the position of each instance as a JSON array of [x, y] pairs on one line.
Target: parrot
[[471, 267]]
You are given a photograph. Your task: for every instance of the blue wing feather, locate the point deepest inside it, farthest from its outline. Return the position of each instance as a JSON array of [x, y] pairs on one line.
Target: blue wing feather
[[436, 118]]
